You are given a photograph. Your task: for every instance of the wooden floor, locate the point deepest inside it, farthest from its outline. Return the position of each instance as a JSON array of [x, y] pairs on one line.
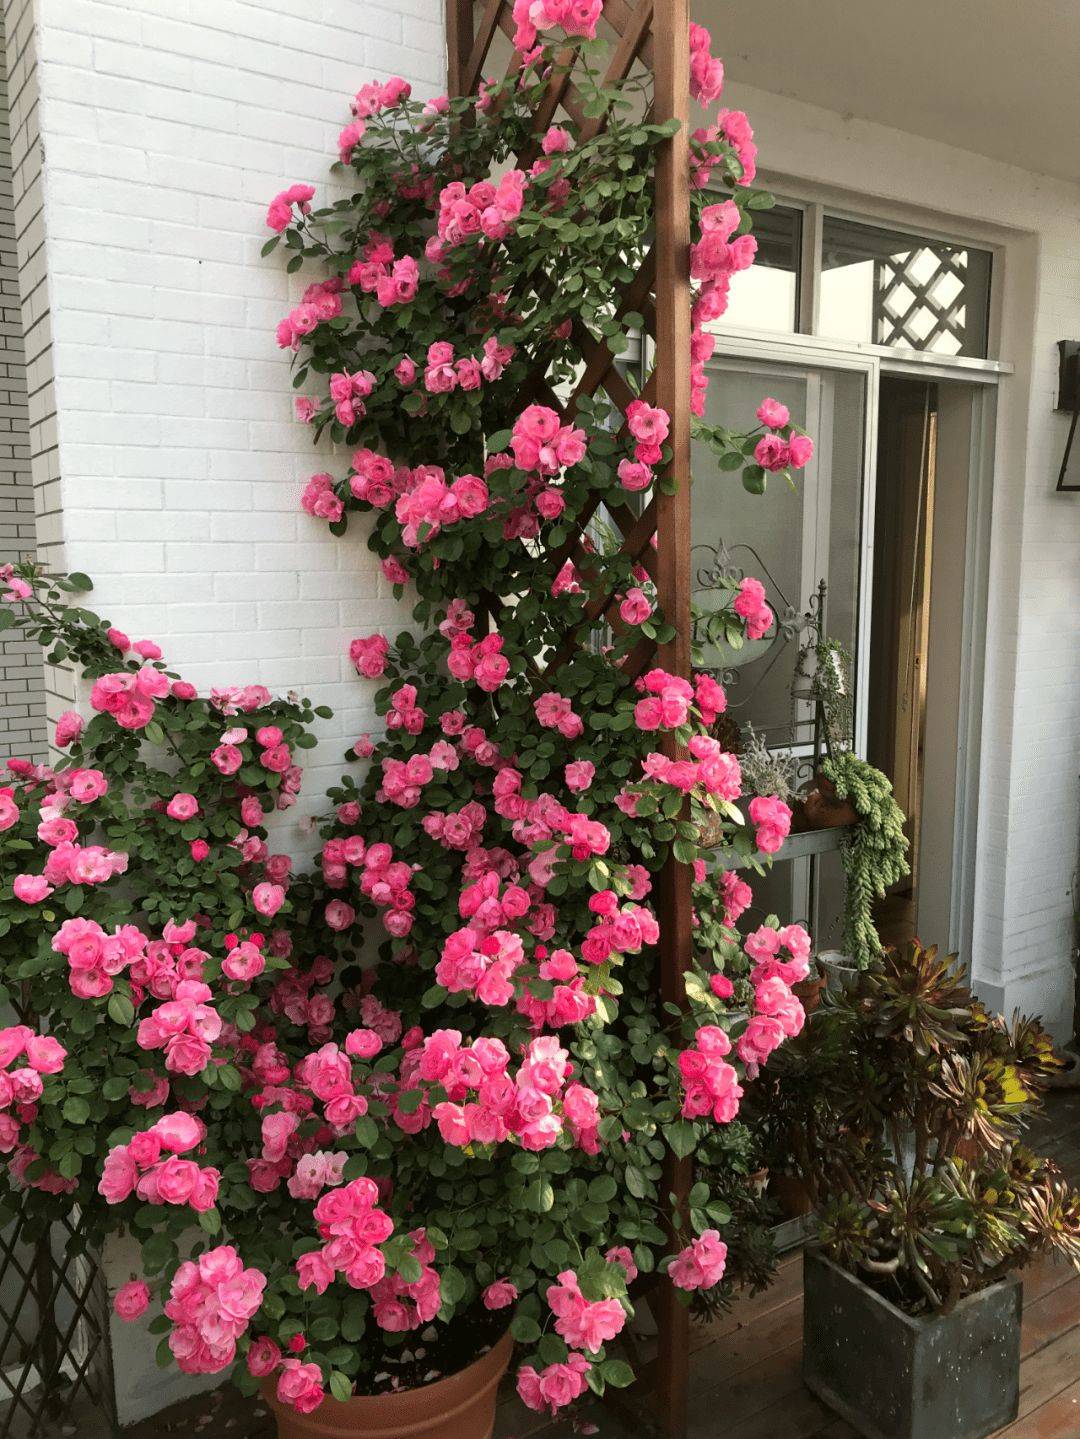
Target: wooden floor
[[744, 1369]]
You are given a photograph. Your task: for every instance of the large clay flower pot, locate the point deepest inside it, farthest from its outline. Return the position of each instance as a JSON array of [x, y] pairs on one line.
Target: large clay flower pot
[[462, 1406]]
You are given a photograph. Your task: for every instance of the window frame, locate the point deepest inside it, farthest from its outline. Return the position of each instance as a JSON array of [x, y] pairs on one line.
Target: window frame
[[813, 202]]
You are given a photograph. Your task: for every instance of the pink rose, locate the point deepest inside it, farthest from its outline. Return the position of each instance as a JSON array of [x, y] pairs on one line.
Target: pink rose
[[68, 728], [263, 1357], [131, 1300], [300, 1386], [182, 806], [772, 413], [499, 1295], [31, 888], [268, 898]]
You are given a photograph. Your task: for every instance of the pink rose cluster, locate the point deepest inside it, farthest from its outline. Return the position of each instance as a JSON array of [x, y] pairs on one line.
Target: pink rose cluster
[[573, 17], [542, 443], [586, 1325], [383, 880], [369, 100], [735, 894], [150, 1167], [460, 829], [321, 302], [710, 767], [399, 1305], [714, 258], [706, 71], [21, 1088], [701, 1264], [328, 1074], [749, 604], [430, 503], [185, 1027], [211, 1303], [772, 820], [403, 781], [94, 957], [368, 654], [731, 139], [483, 209], [668, 699], [352, 1227], [482, 661], [532, 1110], [617, 929], [775, 452], [280, 213], [129, 695], [778, 1013], [555, 711], [710, 1084], [68, 862]]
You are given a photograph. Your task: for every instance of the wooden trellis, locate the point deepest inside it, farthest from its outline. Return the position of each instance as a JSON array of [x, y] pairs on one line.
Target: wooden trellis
[[654, 34]]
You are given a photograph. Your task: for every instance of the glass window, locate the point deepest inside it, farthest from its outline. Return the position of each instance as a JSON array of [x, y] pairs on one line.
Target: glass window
[[898, 289], [791, 538], [766, 297]]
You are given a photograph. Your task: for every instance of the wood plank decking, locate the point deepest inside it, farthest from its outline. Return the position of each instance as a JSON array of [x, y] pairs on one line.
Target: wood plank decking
[[745, 1380]]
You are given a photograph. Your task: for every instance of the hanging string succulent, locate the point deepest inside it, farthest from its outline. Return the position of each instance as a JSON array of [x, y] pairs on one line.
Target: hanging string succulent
[[874, 852]]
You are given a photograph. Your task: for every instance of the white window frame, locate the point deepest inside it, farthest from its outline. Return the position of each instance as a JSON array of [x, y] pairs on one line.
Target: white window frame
[[805, 346]]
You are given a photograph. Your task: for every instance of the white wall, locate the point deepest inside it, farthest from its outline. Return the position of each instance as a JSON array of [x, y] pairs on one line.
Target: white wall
[[168, 125], [1030, 796]]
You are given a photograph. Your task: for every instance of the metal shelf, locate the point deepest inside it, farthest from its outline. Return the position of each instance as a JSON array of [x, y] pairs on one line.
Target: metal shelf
[[796, 846]]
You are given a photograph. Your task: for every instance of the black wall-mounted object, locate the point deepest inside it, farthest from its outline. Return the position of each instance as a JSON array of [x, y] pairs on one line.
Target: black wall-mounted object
[[1068, 400]]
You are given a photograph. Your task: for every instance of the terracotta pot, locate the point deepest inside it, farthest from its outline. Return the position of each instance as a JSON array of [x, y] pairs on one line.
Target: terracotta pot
[[822, 809], [809, 990], [462, 1406]]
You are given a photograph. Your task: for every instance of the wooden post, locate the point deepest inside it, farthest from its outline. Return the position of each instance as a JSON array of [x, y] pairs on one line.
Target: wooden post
[[459, 43], [671, 59]]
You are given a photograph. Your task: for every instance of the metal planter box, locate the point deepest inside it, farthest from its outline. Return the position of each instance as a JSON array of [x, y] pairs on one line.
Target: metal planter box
[[952, 1376]]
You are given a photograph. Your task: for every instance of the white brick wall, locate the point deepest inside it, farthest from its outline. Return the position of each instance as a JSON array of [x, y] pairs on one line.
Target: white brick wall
[[1029, 788], [169, 124], [22, 686]]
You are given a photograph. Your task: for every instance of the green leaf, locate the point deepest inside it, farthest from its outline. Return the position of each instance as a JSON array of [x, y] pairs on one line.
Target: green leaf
[[367, 1131], [525, 1329], [617, 1373], [540, 1196], [340, 1386], [121, 1010]]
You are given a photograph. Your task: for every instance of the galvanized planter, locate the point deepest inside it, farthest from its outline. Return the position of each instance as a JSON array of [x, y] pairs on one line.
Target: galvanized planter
[[951, 1376]]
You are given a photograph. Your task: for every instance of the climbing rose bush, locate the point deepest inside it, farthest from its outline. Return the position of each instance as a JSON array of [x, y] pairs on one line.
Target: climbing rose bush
[[425, 1090]]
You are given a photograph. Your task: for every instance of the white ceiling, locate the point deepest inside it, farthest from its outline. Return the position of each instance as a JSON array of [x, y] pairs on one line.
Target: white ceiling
[[1000, 77]]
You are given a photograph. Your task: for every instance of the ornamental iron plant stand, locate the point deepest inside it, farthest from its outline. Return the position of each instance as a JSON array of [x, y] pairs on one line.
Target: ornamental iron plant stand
[[650, 35]]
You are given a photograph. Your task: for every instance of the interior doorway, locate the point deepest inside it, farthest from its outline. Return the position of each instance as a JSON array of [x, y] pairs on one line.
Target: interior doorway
[[914, 713]]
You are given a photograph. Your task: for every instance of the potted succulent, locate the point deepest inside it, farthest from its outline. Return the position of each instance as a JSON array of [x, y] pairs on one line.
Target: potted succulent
[[373, 1122], [873, 850], [929, 1204]]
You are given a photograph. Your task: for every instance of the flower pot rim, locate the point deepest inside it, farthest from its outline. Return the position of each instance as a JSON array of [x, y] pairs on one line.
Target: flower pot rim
[[374, 1404], [1011, 1280]]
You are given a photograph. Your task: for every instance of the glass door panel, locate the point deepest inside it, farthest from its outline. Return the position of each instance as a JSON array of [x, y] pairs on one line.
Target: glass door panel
[[791, 537]]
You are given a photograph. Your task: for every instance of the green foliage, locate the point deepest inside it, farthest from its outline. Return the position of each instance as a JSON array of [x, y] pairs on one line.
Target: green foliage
[[873, 851], [903, 1114]]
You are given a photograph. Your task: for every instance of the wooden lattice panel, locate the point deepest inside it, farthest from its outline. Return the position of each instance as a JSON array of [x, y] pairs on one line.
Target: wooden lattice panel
[[648, 35]]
